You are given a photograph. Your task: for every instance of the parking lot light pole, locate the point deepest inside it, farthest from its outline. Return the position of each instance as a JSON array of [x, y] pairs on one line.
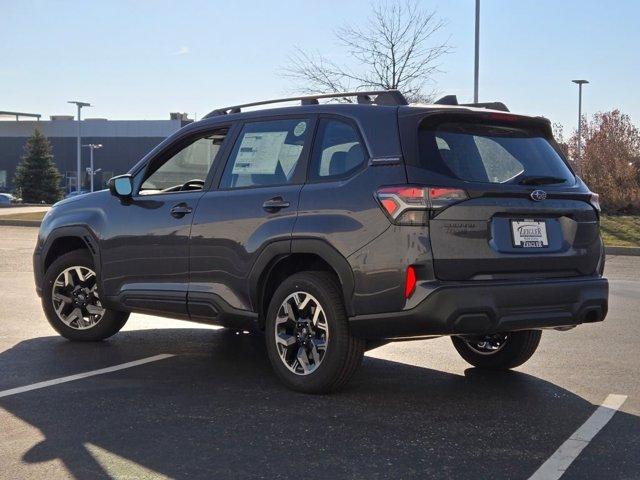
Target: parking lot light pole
[[476, 66], [92, 147], [79, 163], [580, 83]]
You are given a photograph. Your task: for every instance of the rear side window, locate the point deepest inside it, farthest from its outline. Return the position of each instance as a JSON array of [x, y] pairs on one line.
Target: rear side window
[[338, 151], [266, 153], [490, 154]]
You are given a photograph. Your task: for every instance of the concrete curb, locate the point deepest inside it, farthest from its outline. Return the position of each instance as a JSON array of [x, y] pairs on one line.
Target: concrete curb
[[628, 251], [622, 251], [19, 223], [20, 205]]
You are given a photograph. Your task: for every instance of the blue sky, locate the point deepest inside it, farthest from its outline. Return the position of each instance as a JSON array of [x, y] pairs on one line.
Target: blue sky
[[144, 59]]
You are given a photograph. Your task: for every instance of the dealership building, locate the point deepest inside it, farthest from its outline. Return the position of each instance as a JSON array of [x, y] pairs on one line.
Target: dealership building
[[124, 142]]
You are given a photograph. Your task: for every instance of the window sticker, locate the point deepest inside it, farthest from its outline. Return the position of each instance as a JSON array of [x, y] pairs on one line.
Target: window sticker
[[259, 153], [300, 128]]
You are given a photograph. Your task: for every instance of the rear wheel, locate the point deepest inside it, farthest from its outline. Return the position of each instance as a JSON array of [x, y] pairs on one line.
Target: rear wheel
[[71, 301], [307, 334], [498, 351]]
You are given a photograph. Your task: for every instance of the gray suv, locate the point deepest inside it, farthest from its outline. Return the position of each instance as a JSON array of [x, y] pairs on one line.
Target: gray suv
[[334, 228]]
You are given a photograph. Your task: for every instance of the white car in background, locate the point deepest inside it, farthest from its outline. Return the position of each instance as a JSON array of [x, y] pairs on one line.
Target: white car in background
[[7, 199]]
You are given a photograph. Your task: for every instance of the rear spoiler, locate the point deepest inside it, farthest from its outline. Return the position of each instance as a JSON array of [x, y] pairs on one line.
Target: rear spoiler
[[453, 100]]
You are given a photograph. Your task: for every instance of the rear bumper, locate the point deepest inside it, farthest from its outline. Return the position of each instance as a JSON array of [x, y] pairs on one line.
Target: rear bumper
[[490, 307]]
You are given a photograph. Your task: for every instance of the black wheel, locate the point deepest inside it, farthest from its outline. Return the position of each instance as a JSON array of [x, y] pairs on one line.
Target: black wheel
[[499, 351], [71, 301], [307, 334]]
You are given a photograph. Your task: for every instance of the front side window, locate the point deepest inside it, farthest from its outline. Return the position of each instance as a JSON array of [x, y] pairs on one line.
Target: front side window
[[266, 153], [490, 154], [187, 169], [338, 151]]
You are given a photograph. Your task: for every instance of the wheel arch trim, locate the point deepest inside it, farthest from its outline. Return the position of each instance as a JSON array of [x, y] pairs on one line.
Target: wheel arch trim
[[276, 251], [82, 232]]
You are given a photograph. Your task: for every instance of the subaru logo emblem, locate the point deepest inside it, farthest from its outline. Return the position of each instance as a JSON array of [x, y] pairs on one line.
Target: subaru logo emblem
[[538, 195]]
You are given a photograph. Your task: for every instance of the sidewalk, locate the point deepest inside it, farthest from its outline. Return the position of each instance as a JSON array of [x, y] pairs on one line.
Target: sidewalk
[[15, 210], [23, 216]]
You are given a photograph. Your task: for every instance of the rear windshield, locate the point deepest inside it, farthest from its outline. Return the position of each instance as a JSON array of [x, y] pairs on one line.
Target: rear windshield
[[491, 154]]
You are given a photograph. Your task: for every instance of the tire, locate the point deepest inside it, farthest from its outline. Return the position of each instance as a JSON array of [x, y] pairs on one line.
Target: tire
[[342, 352], [517, 349], [107, 324]]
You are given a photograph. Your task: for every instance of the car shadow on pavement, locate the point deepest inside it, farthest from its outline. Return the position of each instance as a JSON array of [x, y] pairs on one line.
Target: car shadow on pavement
[[215, 410]]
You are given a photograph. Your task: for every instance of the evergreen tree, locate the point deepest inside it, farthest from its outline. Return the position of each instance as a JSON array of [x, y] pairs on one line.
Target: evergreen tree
[[37, 178]]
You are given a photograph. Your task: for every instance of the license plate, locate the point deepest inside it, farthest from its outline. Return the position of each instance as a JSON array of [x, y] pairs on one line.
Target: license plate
[[529, 233]]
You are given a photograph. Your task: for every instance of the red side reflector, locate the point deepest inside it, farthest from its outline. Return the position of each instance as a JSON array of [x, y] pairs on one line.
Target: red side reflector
[[410, 284]]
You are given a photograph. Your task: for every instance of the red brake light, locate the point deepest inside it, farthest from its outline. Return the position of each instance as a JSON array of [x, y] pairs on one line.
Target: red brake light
[[442, 197], [410, 283], [505, 117], [437, 193], [411, 192], [408, 204]]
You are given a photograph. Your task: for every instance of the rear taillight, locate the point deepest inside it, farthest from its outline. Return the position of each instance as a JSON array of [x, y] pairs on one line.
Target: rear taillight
[[410, 205], [595, 201]]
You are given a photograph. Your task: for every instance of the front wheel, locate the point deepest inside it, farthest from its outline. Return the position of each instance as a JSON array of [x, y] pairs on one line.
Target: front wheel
[[71, 301], [307, 334], [499, 351]]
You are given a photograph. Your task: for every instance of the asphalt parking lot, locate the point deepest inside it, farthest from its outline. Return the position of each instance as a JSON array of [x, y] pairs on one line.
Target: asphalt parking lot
[[214, 409]]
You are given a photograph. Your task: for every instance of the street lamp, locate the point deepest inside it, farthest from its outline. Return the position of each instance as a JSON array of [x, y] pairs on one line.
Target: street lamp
[[580, 83], [91, 171], [79, 164]]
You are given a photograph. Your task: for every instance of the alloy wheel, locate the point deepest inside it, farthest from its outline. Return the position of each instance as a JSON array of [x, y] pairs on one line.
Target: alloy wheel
[[75, 298], [301, 333]]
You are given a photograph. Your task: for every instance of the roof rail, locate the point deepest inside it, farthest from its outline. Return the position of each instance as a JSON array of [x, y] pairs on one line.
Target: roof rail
[[453, 100], [382, 97]]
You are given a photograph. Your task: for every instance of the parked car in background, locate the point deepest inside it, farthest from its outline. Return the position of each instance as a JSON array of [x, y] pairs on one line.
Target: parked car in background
[[8, 199], [334, 228]]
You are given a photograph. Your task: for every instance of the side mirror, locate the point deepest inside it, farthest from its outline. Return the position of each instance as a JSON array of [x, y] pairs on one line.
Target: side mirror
[[121, 186]]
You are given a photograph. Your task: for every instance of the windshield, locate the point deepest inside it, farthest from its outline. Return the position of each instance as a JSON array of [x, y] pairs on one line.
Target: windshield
[[491, 154]]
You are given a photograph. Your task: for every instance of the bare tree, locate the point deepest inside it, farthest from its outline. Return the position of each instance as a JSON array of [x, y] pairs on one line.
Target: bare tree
[[396, 48], [558, 135], [610, 153]]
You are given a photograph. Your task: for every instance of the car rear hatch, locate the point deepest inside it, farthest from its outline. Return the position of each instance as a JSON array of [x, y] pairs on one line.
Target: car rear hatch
[[512, 206]]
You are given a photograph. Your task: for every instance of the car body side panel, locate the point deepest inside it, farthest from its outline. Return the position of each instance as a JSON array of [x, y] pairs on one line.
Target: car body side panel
[[345, 212], [229, 231], [145, 243], [347, 216], [140, 246], [380, 268]]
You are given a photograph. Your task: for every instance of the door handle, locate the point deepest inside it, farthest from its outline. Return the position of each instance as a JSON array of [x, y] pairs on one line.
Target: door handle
[[274, 204], [180, 210]]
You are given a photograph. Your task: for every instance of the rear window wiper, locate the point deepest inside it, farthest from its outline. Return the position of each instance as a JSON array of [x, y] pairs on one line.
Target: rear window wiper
[[540, 180]]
